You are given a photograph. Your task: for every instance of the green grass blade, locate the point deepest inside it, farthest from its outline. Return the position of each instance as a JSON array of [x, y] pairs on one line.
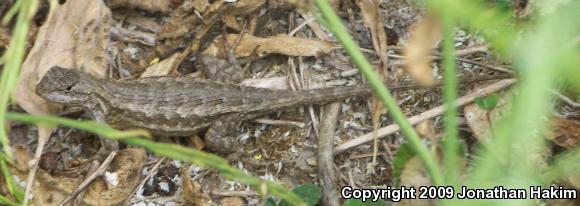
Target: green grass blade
[[450, 141], [11, 185], [6, 201], [90, 126], [13, 60]]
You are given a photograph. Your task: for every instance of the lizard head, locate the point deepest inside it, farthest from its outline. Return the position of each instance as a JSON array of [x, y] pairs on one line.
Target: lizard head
[[64, 86]]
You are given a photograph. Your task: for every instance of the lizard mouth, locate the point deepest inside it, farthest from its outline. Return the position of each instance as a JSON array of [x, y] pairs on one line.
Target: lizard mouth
[[58, 98]]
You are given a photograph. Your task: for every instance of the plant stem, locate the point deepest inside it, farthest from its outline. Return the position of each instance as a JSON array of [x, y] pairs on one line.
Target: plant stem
[[451, 143]]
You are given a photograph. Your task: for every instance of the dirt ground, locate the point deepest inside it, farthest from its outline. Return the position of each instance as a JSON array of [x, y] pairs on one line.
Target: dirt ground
[[264, 43]]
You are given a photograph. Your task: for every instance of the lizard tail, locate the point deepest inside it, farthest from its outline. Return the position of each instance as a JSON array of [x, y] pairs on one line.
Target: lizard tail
[[325, 95]]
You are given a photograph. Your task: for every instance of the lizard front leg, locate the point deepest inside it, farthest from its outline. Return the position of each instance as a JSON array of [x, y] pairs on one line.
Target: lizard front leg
[[218, 137]]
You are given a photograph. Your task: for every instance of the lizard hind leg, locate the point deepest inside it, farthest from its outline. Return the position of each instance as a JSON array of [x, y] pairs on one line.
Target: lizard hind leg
[[218, 137]]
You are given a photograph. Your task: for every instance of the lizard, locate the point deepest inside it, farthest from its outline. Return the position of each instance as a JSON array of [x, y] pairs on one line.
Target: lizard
[[173, 106], [178, 106], [181, 106]]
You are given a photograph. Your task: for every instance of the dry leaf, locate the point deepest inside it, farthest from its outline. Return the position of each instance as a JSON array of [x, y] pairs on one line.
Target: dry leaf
[[22, 156], [564, 132], [250, 45], [426, 129], [244, 7], [184, 20], [415, 175], [75, 29], [200, 5], [196, 142], [4, 37], [278, 83], [162, 68], [192, 191], [424, 35], [478, 122], [232, 201], [127, 165], [374, 21], [164, 6], [230, 21], [146, 23]]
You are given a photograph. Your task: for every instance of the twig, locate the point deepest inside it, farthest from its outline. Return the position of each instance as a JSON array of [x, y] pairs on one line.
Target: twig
[[425, 115], [280, 122], [566, 99], [43, 136], [326, 172], [390, 155], [471, 50], [459, 53], [300, 26], [314, 26], [151, 173], [231, 57], [492, 67], [313, 118], [437, 57], [126, 35], [365, 155], [235, 193], [98, 172]]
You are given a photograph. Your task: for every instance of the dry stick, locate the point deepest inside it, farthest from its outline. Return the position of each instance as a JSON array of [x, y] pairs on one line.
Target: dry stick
[[231, 57], [314, 26], [280, 122], [365, 155], [387, 148], [310, 107], [496, 68], [326, 172], [425, 115], [100, 170], [43, 136], [300, 81], [566, 99], [235, 193], [300, 26], [130, 36], [459, 53], [151, 173]]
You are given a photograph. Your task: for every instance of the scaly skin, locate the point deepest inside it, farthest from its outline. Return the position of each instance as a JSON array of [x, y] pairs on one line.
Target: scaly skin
[[170, 106]]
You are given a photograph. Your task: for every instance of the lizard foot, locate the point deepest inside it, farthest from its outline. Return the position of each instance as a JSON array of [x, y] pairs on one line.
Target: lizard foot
[[218, 138]]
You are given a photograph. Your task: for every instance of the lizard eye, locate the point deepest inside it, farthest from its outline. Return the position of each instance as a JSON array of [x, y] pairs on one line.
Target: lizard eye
[[69, 88]]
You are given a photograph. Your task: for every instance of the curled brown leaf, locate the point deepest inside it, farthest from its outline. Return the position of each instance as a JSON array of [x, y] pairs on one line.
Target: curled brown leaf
[[147, 5], [425, 34], [250, 45]]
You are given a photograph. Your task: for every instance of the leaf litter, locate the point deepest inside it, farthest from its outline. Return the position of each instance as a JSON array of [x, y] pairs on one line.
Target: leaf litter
[[244, 41]]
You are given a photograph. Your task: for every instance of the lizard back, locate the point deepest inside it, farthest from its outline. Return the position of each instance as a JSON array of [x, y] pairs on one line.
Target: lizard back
[[177, 105]]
